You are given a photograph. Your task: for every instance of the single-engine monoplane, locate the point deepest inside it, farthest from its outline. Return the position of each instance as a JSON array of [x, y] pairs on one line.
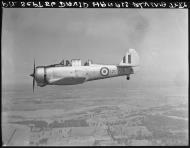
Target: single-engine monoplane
[[73, 72]]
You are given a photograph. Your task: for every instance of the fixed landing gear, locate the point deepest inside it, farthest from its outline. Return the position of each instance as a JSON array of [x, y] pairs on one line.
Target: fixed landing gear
[[128, 77]]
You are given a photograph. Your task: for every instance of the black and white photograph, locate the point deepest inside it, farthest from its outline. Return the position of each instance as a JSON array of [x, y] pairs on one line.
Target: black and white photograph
[[94, 77]]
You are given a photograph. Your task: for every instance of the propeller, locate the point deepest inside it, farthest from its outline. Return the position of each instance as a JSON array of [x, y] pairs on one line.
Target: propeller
[[33, 75]]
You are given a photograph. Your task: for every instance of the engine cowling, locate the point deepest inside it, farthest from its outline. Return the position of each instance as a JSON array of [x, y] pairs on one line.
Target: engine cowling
[[40, 76]]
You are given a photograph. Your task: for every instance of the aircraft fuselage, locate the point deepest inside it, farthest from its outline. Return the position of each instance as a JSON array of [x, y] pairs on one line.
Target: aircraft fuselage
[[74, 72], [71, 75]]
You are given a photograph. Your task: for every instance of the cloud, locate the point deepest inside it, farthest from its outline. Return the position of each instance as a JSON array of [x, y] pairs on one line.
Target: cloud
[[128, 29]]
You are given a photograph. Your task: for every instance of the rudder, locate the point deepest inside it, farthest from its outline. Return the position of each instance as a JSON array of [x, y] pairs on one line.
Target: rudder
[[131, 58]]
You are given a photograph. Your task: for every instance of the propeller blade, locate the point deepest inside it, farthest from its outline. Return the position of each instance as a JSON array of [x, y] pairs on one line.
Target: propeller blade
[[33, 75], [33, 84], [34, 68]]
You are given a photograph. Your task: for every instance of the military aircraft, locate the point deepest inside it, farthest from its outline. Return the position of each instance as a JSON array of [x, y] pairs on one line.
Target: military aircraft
[[76, 73]]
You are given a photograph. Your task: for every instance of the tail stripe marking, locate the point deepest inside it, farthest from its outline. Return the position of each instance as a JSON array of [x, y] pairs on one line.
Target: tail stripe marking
[[129, 59], [124, 59]]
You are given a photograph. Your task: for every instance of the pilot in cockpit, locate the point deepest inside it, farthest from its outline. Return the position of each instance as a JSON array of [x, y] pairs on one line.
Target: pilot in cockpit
[[87, 63], [62, 62], [68, 63]]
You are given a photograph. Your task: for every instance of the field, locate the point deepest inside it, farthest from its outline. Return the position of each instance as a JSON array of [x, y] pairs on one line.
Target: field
[[95, 115]]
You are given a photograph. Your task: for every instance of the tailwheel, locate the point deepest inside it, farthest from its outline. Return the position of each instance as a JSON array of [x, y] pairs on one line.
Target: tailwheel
[[128, 77]]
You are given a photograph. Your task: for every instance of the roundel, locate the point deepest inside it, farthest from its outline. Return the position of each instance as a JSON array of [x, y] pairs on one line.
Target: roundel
[[104, 71]]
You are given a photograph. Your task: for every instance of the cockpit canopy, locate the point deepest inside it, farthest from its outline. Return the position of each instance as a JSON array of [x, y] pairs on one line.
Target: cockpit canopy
[[65, 63], [88, 63], [74, 62]]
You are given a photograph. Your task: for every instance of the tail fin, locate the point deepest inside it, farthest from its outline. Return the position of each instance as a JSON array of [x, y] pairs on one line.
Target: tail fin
[[131, 58]]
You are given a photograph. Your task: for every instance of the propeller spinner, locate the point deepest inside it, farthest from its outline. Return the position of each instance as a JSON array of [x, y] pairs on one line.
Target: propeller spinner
[[33, 75]]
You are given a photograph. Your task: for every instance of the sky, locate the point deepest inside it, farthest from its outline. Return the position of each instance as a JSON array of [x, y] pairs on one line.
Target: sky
[[160, 36]]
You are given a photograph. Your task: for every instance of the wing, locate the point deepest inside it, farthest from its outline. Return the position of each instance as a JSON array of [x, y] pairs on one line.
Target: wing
[[67, 81]]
